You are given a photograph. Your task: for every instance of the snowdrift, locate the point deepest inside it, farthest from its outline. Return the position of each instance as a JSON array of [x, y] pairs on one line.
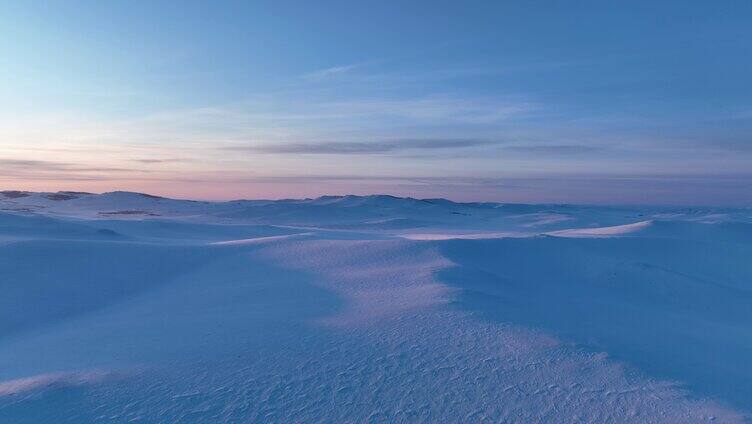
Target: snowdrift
[[126, 307]]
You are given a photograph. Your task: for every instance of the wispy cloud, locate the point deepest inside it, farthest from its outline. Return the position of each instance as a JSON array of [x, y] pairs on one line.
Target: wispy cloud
[[438, 109], [322, 74], [377, 110], [43, 166], [558, 149], [386, 76], [156, 161], [362, 147], [30, 170]]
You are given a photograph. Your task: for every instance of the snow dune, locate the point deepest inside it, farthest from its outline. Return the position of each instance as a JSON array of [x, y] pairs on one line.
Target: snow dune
[[370, 309]]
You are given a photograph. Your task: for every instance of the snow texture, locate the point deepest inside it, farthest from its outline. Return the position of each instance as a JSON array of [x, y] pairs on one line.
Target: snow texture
[[124, 307]]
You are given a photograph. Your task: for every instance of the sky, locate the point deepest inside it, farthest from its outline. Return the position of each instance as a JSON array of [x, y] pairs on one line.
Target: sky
[[528, 101]]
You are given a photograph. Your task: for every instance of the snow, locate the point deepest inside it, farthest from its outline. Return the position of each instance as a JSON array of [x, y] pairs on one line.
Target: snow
[[616, 230], [46, 381], [469, 236], [370, 309]]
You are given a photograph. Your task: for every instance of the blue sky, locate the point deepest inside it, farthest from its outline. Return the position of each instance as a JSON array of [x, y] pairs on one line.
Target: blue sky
[[638, 102]]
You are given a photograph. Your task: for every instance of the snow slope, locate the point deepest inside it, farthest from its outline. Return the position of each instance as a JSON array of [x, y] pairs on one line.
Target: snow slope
[[125, 307]]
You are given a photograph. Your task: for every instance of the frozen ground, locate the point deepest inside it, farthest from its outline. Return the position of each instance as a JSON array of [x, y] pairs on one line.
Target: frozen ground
[[123, 307]]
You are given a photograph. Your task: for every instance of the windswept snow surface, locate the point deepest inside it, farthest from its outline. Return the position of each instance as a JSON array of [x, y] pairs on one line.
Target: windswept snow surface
[[123, 307]]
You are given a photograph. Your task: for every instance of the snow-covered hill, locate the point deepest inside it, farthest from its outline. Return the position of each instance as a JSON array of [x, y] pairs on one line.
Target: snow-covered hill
[[124, 307]]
